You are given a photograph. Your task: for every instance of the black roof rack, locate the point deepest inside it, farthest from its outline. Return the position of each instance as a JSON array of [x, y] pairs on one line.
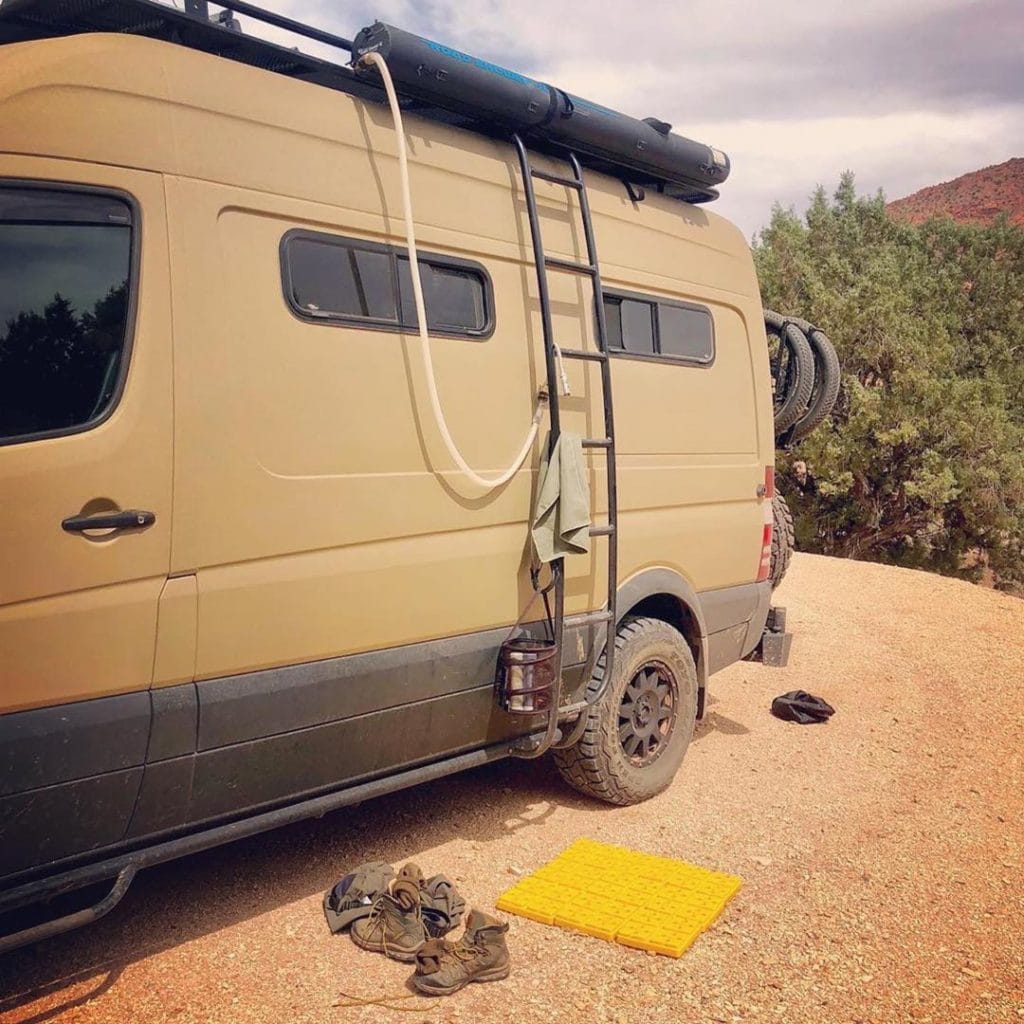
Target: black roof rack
[[638, 152]]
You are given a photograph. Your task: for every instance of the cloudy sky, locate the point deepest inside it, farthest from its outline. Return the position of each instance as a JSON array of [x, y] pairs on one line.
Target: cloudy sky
[[905, 93]]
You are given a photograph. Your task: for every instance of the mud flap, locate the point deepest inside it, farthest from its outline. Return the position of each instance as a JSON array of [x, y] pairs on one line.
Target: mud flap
[[773, 649]]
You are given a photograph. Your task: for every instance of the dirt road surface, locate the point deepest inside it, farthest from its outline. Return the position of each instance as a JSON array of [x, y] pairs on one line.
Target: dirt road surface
[[881, 855]]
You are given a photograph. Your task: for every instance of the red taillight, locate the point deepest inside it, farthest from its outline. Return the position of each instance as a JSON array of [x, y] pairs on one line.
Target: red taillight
[[764, 566]]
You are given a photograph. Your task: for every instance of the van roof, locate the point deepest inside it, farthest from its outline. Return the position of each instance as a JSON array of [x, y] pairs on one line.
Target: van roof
[[461, 89], [141, 103]]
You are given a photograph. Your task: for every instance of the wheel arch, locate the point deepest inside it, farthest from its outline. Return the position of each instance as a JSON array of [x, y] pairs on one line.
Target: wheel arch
[[665, 594]]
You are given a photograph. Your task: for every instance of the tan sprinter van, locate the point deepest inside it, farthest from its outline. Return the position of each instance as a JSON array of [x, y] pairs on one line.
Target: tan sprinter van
[[241, 578]]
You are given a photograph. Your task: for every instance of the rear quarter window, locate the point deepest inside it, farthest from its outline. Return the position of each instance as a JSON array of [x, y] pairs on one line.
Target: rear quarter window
[[686, 331], [650, 327]]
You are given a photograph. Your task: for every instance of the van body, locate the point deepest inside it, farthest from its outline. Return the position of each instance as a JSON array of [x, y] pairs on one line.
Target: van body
[[205, 335]]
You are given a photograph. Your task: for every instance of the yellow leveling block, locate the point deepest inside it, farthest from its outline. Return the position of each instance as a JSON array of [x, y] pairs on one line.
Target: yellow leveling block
[[617, 894]]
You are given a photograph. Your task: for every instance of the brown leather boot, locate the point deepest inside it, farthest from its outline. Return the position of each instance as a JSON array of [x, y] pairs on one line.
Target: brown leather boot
[[391, 929], [480, 955]]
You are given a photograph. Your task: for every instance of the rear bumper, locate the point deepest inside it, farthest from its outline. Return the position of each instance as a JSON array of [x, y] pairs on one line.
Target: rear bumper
[[775, 643], [735, 620]]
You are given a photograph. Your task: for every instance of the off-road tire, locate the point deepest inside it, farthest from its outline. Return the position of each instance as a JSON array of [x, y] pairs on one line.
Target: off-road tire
[[597, 764], [783, 540], [827, 379], [792, 366]]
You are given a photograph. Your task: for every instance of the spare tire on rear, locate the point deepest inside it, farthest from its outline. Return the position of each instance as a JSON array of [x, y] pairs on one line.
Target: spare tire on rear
[[825, 390], [792, 368]]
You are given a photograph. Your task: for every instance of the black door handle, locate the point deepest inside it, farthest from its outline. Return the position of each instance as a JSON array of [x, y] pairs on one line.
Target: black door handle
[[130, 519]]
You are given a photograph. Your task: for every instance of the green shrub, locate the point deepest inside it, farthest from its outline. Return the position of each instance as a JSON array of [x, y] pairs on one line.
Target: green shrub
[[922, 463]]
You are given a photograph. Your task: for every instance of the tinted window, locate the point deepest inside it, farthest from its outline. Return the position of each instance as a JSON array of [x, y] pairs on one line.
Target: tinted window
[[338, 280], [454, 298], [613, 322], [651, 327], [686, 332], [65, 262], [637, 326], [350, 281]]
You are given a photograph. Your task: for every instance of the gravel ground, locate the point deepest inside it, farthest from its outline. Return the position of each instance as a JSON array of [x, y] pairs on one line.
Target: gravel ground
[[881, 855]]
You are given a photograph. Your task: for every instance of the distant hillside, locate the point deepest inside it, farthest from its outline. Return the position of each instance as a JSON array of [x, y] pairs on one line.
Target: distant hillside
[[978, 197]]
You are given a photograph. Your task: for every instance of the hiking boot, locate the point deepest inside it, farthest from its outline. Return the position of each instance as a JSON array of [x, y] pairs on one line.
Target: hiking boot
[[480, 955], [391, 930]]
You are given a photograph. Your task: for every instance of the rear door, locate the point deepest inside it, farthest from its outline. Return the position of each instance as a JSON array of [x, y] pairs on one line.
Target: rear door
[[85, 475]]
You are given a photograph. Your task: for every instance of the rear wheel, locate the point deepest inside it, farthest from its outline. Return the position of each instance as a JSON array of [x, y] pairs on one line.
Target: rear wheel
[[783, 540], [637, 735]]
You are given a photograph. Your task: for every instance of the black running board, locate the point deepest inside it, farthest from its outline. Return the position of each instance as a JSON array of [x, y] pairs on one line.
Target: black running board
[[59, 925], [124, 867]]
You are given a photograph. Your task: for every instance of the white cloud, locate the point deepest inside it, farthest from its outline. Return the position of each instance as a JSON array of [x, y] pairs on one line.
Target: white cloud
[[796, 91], [783, 161]]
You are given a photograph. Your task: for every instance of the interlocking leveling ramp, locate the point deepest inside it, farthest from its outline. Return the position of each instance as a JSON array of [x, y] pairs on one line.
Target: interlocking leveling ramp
[[621, 895]]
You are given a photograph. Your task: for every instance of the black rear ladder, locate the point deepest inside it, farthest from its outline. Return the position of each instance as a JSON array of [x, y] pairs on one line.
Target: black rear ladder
[[532, 746]]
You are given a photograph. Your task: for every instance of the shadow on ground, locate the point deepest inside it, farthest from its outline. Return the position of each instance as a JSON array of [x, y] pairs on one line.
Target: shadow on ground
[[186, 899]]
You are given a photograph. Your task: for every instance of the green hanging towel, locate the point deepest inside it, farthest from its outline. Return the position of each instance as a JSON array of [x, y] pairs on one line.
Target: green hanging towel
[[561, 519]]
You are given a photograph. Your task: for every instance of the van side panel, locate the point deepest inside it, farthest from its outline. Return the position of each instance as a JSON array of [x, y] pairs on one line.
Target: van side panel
[[310, 485], [307, 498]]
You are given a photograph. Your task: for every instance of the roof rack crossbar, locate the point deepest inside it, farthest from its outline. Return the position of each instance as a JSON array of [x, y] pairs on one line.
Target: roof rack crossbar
[[280, 21]]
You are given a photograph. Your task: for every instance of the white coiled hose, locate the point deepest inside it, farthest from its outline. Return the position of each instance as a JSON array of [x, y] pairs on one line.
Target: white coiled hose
[[421, 314]]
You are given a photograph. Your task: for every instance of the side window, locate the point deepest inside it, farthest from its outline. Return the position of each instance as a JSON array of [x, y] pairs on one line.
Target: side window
[[337, 280], [361, 283], [655, 328], [687, 332], [455, 298], [638, 327], [630, 324], [613, 321], [66, 262]]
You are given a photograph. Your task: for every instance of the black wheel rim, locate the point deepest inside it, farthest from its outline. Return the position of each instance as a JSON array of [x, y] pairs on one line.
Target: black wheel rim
[[647, 713]]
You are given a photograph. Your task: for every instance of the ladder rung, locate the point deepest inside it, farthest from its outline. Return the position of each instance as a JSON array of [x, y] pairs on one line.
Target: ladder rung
[[575, 268], [578, 353], [602, 531], [586, 619], [566, 710], [557, 179], [597, 442]]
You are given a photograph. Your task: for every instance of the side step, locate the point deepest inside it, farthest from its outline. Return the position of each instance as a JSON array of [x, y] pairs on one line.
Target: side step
[[125, 866], [59, 925]]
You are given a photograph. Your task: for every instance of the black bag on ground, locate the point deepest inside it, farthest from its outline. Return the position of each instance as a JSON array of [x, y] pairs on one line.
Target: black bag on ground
[[801, 707]]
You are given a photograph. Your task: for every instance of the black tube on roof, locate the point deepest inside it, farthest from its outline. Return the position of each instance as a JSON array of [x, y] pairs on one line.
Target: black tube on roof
[[646, 151]]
